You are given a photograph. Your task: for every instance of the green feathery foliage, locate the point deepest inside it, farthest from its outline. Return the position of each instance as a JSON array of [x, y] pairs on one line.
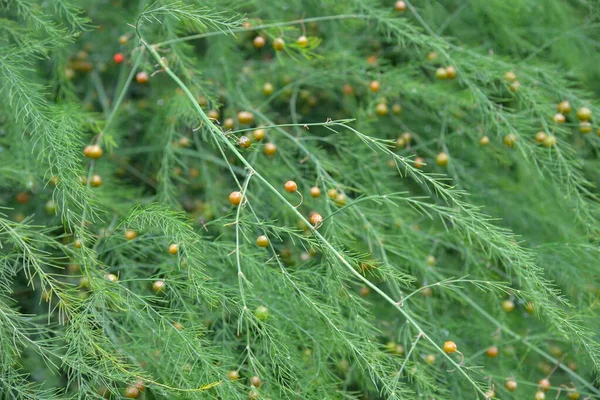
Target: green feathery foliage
[[413, 208]]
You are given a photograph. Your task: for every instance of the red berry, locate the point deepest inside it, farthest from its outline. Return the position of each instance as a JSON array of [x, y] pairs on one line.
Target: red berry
[[119, 58]]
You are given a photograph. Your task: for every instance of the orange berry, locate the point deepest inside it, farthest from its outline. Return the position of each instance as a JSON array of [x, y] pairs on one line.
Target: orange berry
[[173, 248], [375, 86], [278, 44], [400, 6], [270, 149], [291, 186], [492, 352], [142, 77], [315, 191], [450, 347], [235, 198], [259, 42], [93, 151]]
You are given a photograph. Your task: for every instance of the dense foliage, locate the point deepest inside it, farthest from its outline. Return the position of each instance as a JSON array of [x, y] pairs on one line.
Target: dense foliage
[[299, 199]]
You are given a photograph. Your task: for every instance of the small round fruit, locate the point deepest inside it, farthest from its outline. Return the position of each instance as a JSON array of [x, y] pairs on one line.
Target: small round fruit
[[563, 107], [540, 136], [229, 123], [77, 243], [262, 313], [381, 109], [550, 141], [130, 234], [450, 347], [511, 385], [213, 114], [96, 180], [451, 72], [302, 41], [426, 292], [159, 286], [442, 159], [268, 89], [364, 291], [291, 186], [484, 141], [316, 219], [255, 381], [259, 42], [253, 395], [572, 394], [332, 193], [432, 56], [492, 352], [245, 117], [441, 73], [584, 114], [233, 375], [244, 142], [508, 305], [374, 86], [93, 151], [262, 241], [258, 134], [111, 277], [544, 384], [514, 86], [118, 58], [396, 109], [419, 162], [430, 260], [50, 207], [315, 191], [141, 77], [278, 44], [123, 39], [539, 395], [510, 77], [558, 118], [173, 248], [407, 136], [585, 127], [131, 392], [490, 394], [510, 139], [270, 149], [235, 198], [530, 307], [429, 359], [400, 6], [178, 326]]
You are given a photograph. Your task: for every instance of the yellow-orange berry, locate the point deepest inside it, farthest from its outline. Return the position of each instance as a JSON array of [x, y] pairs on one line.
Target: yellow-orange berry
[[173, 248], [442, 159], [262, 241], [511, 385], [375, 86], [291, 186], [270, 149], [400, 6], [510, 77], [508, 305], [302, 41], [450, 347], [563, 107], [93, 151], [245, 117], [484, 141], [235, 198], [315, 191], [278, 44], [159, 286], [492, 352], [259, 42]]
